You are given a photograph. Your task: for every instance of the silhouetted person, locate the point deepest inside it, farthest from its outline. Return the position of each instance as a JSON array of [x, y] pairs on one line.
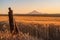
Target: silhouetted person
[[13, 27]]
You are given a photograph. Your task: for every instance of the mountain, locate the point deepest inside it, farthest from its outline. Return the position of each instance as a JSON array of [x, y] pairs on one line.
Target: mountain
[[34, 12]]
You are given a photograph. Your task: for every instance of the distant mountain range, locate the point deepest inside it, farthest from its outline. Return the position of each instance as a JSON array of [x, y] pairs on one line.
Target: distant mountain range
[[34, 13]]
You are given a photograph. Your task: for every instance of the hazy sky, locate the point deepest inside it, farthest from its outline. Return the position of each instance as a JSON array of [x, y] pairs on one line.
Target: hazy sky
[[25, 6]]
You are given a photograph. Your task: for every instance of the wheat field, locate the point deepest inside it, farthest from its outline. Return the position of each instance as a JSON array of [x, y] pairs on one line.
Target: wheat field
[[31, 28]]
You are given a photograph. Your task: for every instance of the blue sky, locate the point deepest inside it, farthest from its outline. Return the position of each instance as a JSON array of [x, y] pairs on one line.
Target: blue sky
[[25, 6]]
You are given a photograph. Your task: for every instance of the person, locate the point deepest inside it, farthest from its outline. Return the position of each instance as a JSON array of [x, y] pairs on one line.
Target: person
[[11, 22]]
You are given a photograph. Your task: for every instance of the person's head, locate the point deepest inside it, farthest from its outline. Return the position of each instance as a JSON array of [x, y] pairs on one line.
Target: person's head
[[9, 8]]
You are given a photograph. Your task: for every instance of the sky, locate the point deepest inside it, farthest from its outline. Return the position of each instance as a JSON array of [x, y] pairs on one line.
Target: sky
[[25, 6]]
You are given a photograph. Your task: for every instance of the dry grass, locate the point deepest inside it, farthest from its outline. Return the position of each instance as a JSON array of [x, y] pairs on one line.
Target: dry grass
[[30, 31]]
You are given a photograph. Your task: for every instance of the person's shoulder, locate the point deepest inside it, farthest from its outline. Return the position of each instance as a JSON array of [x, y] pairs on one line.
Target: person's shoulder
[[11, 10]]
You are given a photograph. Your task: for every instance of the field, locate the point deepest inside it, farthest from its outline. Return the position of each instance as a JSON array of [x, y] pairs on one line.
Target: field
[[31, 28]]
